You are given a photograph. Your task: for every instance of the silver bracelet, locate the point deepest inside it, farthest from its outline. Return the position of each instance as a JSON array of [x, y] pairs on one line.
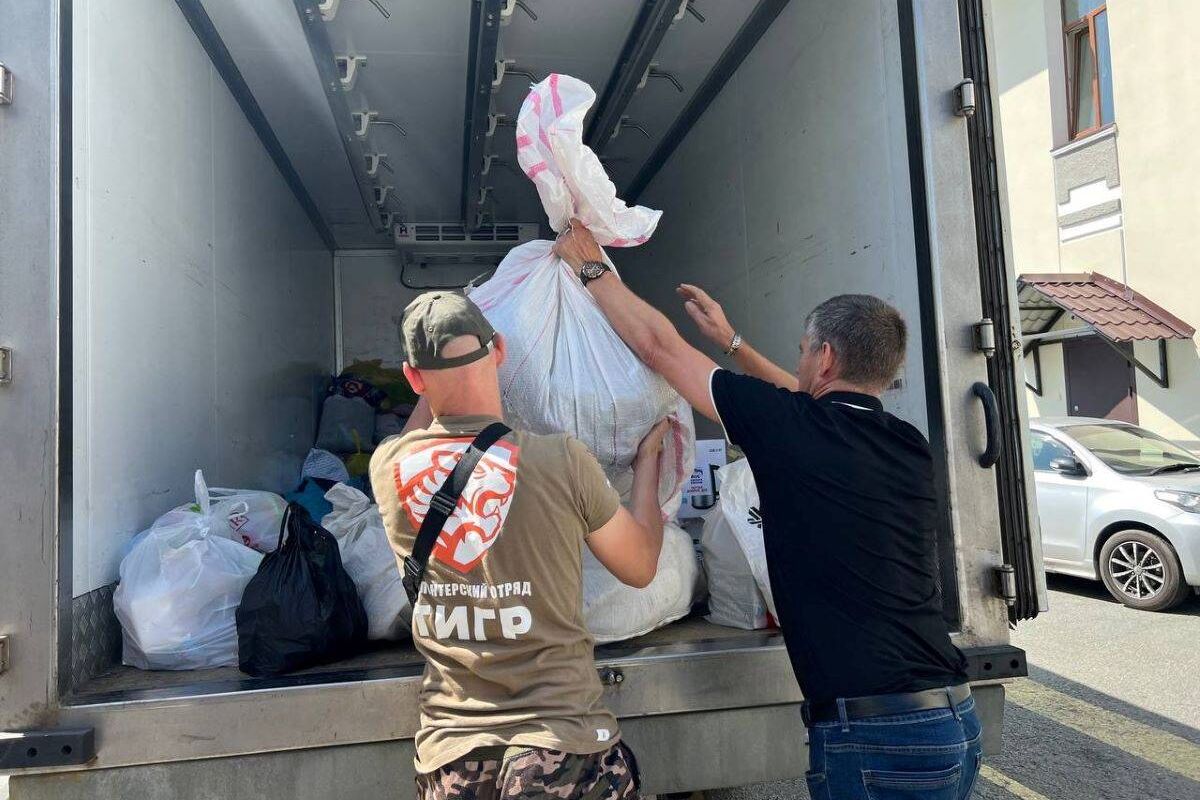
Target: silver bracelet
[[734, 344]]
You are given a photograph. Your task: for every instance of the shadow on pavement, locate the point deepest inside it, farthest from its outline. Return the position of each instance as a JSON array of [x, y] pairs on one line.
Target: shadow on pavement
[[1109, 703], [1062, 763]]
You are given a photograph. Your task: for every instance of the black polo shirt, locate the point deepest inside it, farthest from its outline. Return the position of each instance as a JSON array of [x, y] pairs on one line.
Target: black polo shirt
[[849, 521]]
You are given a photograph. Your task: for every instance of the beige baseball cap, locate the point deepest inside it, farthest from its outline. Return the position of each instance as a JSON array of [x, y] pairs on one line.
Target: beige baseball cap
[[435, 319]]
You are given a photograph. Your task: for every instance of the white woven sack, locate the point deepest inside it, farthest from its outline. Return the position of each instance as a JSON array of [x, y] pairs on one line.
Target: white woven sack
[[614, 612], [567, 370]]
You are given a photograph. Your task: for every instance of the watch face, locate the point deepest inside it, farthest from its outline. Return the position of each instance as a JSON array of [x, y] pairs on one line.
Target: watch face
[[593, 269]]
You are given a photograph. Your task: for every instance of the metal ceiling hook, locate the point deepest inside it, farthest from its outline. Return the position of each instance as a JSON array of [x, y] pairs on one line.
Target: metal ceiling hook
[[348, 67], [510, 6], [653, 71], [626, 122]]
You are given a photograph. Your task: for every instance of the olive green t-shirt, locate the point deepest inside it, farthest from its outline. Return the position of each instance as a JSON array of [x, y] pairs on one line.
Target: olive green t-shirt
[[500, 614]]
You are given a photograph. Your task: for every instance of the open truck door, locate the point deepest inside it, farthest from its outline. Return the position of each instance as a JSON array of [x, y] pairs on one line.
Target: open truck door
[[35, 243]]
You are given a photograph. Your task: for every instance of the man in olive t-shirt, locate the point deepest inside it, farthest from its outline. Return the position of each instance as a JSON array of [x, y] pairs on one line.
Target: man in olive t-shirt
[[511, 702]]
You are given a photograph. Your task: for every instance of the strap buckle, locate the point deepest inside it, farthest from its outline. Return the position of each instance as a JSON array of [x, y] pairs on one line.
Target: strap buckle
[[412, 569], [442, 504], [411, 579]]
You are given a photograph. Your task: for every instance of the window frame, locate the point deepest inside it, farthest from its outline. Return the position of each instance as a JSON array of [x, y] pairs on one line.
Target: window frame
[[1072, 58], [1049, 437]]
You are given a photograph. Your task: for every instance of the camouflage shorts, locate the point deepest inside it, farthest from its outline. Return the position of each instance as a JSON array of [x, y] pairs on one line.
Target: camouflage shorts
[[525, 773]]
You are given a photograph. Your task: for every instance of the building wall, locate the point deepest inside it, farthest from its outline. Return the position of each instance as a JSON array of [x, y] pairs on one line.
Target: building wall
[[1024, 139], [1069, 204], [203, 298]]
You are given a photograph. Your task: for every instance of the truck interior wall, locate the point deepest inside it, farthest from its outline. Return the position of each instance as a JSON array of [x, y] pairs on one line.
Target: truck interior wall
[[793, 187], [373, 289], [203, 298]]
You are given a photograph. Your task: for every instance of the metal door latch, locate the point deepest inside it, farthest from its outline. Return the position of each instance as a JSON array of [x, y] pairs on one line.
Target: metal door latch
[[6, 365], [985, 337], [3, 653], [1006, 578], [6, 86], [964, 98]]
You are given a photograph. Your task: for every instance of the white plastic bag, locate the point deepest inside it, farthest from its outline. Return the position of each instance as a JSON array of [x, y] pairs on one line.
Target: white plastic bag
[[567, 370], [738, 507], [613, 611], [368, 558], [251, 516], [178, 595], [734, 598]]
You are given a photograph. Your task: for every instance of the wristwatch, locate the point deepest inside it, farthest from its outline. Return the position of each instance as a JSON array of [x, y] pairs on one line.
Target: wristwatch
[[591, 270], [734, 344]]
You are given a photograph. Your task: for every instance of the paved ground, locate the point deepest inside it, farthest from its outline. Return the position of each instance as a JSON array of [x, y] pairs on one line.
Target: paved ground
[[1112, 705], [1111, 709]]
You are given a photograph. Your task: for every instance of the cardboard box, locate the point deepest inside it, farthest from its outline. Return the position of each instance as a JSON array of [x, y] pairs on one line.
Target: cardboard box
[[699, 493]]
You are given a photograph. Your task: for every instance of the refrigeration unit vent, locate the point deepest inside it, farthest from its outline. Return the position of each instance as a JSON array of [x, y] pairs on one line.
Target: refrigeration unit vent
[[438, 243]]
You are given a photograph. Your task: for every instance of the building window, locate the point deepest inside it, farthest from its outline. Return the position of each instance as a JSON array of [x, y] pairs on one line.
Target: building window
[[1089, 67]]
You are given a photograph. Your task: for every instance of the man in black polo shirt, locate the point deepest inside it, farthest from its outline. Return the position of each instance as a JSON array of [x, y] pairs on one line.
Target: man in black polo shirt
[[849, 517]]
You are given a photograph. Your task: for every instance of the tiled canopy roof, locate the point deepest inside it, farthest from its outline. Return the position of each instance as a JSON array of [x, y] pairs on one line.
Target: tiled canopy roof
[[1112, 309]]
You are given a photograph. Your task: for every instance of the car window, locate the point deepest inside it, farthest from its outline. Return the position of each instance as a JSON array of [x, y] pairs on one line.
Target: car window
[[1046, 450], [1131, 450]]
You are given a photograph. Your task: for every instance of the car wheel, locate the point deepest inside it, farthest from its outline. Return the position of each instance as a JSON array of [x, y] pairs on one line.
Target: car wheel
[[1141, 570]]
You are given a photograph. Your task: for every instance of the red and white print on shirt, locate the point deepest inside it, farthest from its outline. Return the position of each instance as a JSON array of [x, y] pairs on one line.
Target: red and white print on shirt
[[479, 517]]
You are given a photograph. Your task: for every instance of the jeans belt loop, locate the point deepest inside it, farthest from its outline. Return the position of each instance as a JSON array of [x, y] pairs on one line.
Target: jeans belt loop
[[842, 716], [953, 706]]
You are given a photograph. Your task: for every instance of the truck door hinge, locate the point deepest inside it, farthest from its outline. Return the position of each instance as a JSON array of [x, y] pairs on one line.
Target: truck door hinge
[[964, 98], [6, 365], [985, 337], [3, 653], [6, 86], [1006, 580]]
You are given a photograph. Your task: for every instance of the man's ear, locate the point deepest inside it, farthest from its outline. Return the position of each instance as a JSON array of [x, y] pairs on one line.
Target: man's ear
[[415, 380], [828, 361], [500, 349]]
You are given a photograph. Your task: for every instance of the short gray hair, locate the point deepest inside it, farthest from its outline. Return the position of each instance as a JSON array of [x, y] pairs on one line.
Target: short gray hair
[[867, 334]]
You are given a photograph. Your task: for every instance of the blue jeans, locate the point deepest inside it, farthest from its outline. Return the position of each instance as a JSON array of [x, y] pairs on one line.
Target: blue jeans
[[931, 755]]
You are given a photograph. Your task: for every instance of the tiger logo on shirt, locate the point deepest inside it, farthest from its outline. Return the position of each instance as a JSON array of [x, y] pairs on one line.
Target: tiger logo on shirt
[[479, 516]]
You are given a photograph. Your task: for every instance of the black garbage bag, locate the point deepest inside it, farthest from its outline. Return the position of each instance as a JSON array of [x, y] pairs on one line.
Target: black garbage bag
[[301, 608]]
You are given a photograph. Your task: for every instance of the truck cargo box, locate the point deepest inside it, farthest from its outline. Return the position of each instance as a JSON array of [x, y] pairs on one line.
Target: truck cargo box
[[208, 207]]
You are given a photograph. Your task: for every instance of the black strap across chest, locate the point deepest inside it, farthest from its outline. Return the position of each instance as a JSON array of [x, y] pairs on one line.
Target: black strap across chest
[[442, 505]]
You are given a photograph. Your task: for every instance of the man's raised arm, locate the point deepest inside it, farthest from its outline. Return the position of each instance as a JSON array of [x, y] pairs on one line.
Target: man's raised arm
[[647, 331], [710, 319]]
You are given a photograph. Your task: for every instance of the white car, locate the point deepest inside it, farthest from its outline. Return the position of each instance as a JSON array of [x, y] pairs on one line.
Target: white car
[[1119, 504]]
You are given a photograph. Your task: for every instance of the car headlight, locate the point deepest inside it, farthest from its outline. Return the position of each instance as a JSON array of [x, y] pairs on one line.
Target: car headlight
[[1188, 501]]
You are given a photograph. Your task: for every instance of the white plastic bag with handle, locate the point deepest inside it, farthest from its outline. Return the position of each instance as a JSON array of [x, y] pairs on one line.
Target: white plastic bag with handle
[[180, 586], [739, 509], [734, 599], [249, 515], [369, 561], [567, 370]]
